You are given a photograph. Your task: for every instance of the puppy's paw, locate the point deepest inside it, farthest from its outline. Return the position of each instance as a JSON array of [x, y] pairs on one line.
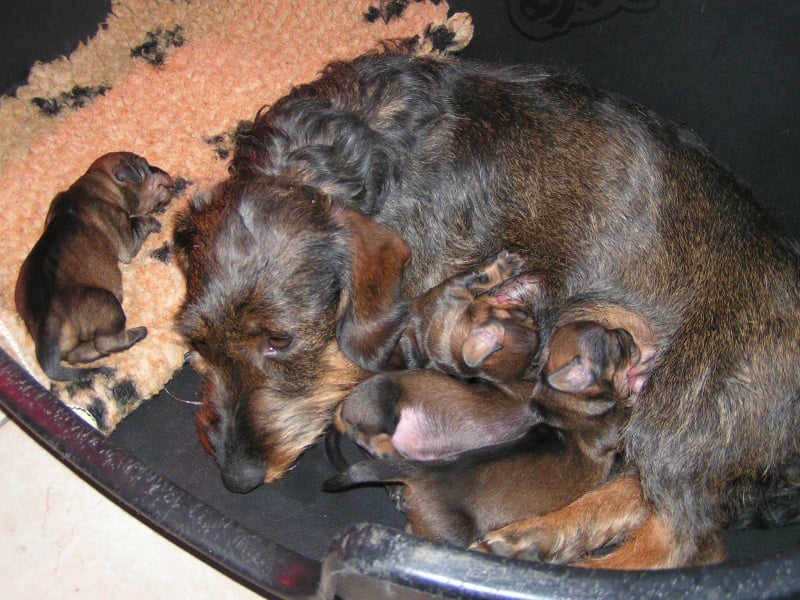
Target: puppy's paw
[[508, 265], [147, 224]]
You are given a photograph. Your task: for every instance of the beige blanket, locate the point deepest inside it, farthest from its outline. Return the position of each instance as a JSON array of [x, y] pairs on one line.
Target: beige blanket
[[168, 80]]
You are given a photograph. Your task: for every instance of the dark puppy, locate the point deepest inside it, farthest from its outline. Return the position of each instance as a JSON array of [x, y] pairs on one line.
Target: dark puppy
[[475, 324], [583, 387], [69, 290], [601, 198]]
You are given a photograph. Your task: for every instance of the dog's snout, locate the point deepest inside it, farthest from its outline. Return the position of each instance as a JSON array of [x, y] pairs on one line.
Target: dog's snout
[[243, 475]]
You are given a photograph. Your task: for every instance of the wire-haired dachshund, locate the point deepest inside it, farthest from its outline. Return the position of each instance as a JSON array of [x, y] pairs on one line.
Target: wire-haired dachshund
[[69, 290], [290, 294]]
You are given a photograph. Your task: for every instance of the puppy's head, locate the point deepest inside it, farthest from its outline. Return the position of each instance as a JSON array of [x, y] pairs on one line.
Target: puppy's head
[[585, 368], [276, 275], [141, 188], [495, 336]]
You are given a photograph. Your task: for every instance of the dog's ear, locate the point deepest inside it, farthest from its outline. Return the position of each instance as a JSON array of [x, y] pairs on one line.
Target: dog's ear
[[371, 313], [183, 236], [481, 343]]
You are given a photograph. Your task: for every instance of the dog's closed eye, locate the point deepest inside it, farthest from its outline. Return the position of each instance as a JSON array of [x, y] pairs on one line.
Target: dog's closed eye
[[272, 345]]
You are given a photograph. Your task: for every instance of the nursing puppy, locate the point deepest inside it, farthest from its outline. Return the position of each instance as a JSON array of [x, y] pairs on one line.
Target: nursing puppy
[[424, 415], [583, 387], [69, 289], [476, 324], [458, 161]]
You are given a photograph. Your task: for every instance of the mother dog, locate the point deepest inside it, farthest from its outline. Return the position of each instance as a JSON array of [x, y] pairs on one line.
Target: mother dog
[[610, 205]]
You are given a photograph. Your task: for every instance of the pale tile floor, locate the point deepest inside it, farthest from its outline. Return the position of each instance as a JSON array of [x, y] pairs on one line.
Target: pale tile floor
[[61, 538]]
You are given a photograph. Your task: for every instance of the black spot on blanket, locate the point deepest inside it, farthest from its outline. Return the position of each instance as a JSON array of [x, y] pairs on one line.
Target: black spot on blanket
[[157, 44], [76, 98]]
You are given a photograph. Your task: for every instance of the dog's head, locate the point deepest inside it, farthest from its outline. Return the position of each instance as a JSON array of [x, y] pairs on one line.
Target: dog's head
[[279, 278], [141, 188]]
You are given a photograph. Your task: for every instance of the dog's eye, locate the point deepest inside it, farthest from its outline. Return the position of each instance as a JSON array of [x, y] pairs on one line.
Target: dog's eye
[[274, 344]]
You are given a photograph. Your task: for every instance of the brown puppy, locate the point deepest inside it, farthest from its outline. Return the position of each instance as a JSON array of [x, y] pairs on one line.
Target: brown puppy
[[475, 324], [602, 199], [425, 415], [584, 387], [69, 290]]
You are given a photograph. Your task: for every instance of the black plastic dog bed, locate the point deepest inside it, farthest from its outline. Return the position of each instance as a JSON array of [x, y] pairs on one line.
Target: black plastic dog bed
[[730, 70]]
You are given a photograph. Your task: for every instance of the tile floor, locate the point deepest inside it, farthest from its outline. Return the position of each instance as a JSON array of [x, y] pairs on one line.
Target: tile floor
[[63, 539]]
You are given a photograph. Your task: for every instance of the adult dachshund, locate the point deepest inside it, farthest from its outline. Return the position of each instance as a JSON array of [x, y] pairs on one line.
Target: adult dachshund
[[292, 291]]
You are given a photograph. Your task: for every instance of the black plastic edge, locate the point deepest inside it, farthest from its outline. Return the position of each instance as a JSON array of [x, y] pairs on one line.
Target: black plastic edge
[[382, 562], [261, 565], [365, 560]]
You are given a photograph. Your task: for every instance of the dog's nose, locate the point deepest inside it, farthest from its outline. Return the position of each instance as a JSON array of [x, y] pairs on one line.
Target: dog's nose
[[242, 476]]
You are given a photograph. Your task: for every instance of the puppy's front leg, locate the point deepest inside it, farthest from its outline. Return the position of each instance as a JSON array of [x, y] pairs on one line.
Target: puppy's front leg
[[141, 227], [503, 267]]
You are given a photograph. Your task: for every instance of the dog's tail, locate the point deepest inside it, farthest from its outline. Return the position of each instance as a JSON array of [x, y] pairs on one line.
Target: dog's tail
[[385, 470]]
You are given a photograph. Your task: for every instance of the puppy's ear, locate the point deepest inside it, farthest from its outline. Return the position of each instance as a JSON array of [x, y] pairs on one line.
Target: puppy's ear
[[131, 169], [371, 314], [481, 343], [573, 378]]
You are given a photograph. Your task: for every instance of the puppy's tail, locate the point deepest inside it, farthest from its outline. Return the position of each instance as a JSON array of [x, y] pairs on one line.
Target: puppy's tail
[[379, 471], [333, 449]]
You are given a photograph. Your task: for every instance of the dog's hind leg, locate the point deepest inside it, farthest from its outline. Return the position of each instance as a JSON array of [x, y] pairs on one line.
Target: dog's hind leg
[[592, 521]]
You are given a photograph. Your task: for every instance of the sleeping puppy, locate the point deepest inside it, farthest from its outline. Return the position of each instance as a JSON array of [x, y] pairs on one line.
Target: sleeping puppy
[[69, 290], [475, 324], [425, 415], [583, 388]]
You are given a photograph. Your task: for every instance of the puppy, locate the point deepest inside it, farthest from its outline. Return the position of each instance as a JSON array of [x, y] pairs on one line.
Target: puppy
[[425, 415], [69, 289], [584, 388], [475, 324], [601, 198]]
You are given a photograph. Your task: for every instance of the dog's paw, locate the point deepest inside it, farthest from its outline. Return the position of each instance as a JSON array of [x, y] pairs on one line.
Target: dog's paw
[[508, 265], [522, 540]]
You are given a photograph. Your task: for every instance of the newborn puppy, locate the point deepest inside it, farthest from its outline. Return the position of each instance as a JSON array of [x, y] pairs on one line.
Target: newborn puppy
[[426, 414], [588, 370], [584, 387], [69, 290], [475, 324]]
